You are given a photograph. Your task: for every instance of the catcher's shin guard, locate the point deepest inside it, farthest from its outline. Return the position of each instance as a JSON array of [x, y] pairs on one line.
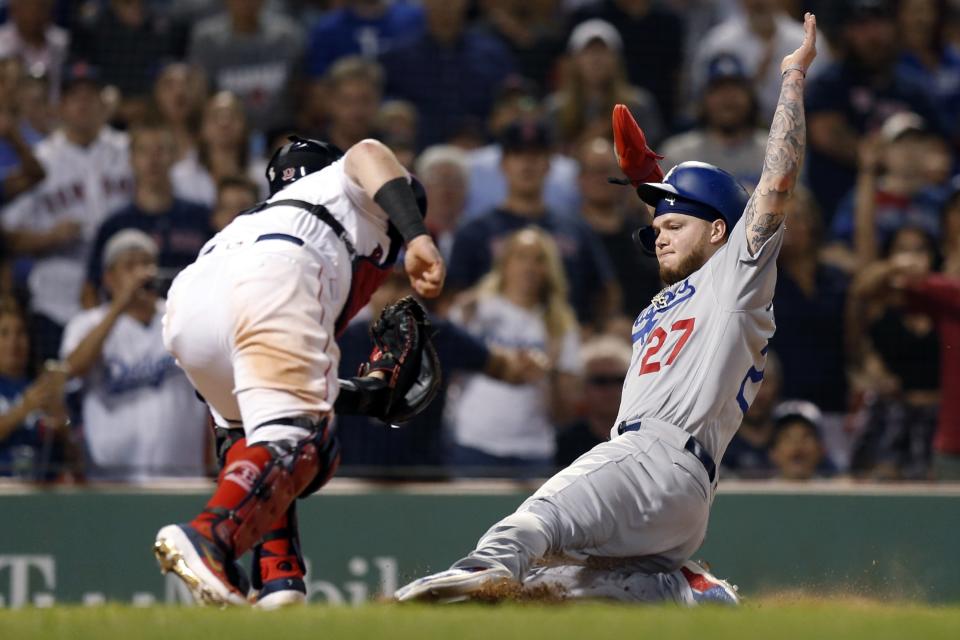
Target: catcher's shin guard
[[259, 483], [278, 555]]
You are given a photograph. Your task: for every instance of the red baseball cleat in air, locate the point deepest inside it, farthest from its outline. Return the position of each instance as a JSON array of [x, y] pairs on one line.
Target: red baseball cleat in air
[[637, 161]]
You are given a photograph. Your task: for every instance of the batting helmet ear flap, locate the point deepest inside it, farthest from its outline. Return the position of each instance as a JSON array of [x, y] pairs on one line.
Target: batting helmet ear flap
[[645, 239]]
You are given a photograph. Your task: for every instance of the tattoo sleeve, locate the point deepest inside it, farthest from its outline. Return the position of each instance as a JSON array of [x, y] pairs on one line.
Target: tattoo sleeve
[[781, 164]]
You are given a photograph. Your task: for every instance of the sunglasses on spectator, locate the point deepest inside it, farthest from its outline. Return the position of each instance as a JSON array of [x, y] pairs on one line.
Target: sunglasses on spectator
[[605, 381]]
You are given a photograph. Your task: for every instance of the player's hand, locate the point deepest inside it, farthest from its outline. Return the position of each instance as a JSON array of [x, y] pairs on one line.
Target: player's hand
[[803, 57], [425, 267]]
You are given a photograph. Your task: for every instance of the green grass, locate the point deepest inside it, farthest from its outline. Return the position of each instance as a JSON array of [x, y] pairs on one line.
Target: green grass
[[770, 618]]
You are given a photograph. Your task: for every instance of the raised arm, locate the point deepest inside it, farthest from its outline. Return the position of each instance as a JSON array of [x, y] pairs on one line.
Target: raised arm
[[784, 157], [375, 168]]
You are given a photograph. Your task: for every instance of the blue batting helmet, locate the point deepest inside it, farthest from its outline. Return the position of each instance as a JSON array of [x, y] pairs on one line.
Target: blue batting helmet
[[696, 189]]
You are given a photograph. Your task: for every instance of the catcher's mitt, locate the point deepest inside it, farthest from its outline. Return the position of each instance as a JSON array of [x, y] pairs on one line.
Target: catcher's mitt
[[403, 352]]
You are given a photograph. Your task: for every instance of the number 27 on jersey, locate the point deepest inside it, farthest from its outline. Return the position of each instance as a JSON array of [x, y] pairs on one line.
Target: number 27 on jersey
[[659, 338]]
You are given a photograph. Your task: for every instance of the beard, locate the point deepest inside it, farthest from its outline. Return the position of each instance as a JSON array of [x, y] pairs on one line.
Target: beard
[[688, 264]]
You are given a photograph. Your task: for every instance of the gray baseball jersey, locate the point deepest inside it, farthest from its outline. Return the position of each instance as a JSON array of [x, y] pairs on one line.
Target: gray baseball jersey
[[699, 348]]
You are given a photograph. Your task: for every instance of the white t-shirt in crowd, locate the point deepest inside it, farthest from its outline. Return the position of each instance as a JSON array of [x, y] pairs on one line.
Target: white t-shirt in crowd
[[141, 417], [502, 419], [85, 184]]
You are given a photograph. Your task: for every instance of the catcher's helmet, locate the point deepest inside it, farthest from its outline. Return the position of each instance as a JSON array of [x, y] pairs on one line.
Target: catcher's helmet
[[696, 189], [297, 158]]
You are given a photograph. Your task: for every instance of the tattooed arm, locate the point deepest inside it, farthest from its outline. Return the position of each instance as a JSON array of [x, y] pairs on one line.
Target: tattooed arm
[[784, 157]]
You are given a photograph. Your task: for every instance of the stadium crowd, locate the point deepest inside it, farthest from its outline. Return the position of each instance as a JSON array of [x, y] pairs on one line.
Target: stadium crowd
[[132, 130]]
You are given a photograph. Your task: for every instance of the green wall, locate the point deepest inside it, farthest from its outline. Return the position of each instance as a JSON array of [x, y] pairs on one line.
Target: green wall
[[87, 546]]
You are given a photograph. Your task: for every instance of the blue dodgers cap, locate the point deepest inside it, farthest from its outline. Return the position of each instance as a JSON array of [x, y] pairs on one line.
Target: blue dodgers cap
[[725, 67]]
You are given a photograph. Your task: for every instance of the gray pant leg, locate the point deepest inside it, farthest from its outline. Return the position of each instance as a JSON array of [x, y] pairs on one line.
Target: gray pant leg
[[621, 586], [515, 542], [628, 498]]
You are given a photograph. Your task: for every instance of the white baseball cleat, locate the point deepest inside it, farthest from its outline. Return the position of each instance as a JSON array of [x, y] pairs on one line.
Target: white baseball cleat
[[202, 566], [706, 587], [453, 585]]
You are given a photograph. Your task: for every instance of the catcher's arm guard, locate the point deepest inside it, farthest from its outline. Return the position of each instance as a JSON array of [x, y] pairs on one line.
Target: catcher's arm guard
[[637, 161], [407, 361]]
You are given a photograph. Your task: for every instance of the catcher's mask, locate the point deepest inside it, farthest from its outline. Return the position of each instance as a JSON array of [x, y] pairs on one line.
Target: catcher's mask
[[695, 189], [298, 158]]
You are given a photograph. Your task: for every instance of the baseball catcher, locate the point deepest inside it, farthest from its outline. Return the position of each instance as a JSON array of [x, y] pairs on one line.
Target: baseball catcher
[[252, 323]]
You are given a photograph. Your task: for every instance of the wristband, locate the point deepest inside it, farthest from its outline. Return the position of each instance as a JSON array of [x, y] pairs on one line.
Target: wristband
[[793, 67], [397, 199]]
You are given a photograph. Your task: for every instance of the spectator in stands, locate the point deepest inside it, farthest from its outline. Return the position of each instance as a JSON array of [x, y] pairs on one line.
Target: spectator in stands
[[178, 227], [797, 449], [251, 53], [417, 449], [652, 34], [88, 175], [31, 35], [488, 186], [853, 97], [533, 33], [397, 123], [354, 88], [19, 168], [810, 303], [521, 303], [605, 363], [758, 38], [398, 120], [727, 134], [178, 98], [593, 290], [33, 418], [38, 115], [893, 189], [606, 210], [928, 56], [234, 194], [445, 176], [594, 81], [223, 150], [950, 230], [896, 347], [451, 73], [938, 295], [127, 41], [141, 418], [367, 28], [748, 454]]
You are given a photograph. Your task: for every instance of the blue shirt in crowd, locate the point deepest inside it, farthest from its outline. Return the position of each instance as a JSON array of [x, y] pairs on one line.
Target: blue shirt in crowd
[[180, 233], [25, 452], [892, 214], [342, 33], [864, 105], [452, 86], [809, 338]]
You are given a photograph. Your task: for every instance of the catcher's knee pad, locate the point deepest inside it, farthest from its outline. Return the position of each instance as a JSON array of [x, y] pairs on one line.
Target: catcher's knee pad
[[289, 472]]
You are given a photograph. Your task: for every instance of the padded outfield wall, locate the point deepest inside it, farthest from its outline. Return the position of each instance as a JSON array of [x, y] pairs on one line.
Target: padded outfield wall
[[92, 545]]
